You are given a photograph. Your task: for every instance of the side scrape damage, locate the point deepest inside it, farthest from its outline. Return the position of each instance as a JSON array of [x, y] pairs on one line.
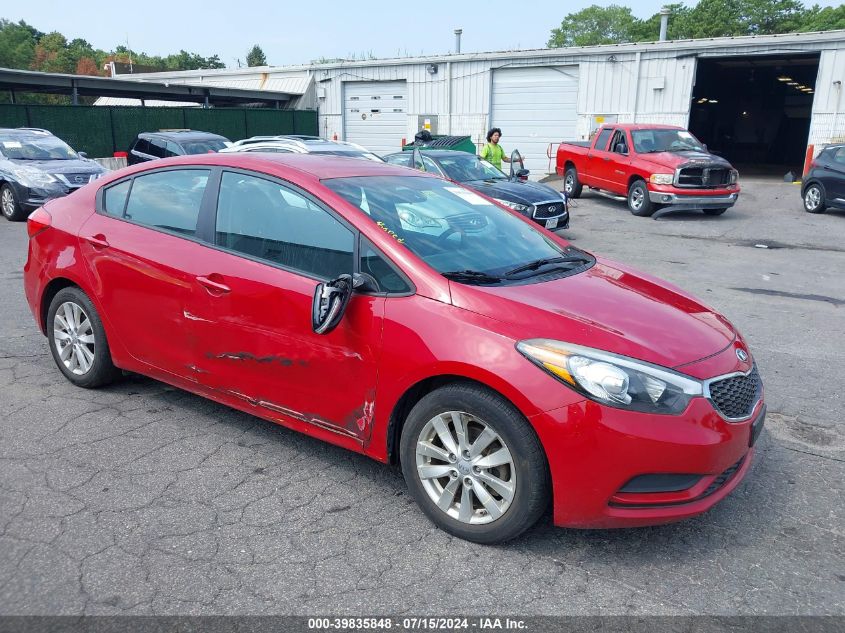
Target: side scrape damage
[[245, 356]]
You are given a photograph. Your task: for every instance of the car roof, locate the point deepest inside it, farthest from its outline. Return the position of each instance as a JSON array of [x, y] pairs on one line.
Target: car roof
[[183, 135], [318, 166], [642, 126], [24, 132]]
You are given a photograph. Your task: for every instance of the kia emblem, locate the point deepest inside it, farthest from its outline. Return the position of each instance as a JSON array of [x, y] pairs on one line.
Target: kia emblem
[[741, 355]]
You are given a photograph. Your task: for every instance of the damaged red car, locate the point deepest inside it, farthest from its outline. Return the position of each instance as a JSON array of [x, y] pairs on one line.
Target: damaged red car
[[410, 319]]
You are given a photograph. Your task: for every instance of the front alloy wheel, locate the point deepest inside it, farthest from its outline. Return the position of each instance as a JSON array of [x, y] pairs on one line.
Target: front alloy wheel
[[12, 211], [465, 468], [474, 463]]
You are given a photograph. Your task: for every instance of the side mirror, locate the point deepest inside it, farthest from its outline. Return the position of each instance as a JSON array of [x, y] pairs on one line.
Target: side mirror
[[704, 145], [622, 149], [517, 165], [83, 154], [330, 301], [522, 174]]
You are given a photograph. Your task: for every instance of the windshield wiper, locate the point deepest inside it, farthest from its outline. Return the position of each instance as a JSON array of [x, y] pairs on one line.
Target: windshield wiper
[[471, 275], [545, 262]]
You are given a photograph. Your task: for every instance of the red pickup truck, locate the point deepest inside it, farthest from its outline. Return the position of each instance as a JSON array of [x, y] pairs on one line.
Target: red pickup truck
[[657, 167]]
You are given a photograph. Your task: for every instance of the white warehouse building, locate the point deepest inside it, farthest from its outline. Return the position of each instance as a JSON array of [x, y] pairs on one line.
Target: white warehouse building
[[758, 100]]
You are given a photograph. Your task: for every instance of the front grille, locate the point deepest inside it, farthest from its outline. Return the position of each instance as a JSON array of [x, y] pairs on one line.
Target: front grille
[[549, 210], [74, 180], [735, 397], [722, 479], [469, 222], [703, 177]]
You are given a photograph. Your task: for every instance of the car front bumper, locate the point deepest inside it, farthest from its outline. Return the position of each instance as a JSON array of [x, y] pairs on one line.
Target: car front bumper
[[694, 201]]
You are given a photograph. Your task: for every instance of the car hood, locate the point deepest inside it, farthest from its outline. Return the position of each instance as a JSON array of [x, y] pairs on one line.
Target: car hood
[[608, 307], [676, 159], [515, 191], [72, 166]]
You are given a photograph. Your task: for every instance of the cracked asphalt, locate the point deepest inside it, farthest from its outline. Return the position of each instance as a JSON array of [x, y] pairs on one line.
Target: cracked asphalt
[[143, 499]]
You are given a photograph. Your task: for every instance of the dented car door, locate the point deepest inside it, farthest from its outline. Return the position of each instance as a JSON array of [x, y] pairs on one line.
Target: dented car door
[[274, 245]]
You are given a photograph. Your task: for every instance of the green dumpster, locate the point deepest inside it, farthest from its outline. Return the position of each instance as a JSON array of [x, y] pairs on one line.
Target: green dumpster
[[459, 143]]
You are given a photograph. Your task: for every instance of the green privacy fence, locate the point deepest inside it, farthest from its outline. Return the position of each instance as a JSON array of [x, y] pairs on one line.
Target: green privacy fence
[[102, 130]]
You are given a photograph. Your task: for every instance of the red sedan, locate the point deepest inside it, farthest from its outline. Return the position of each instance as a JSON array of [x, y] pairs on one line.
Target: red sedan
[[410, 319]]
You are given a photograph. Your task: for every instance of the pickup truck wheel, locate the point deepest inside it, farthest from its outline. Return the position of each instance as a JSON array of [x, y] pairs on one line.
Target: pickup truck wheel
[[571, 186], [814, 198], [714, 211], [638, 201]]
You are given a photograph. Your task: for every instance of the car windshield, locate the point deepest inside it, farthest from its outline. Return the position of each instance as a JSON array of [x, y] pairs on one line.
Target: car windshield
[[650, 141], [469, 167], [454, 230], [45, 147], [203, 147]]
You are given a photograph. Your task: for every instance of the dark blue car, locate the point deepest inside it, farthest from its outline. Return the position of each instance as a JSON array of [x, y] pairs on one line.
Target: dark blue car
[[824, 185], [537, 201]]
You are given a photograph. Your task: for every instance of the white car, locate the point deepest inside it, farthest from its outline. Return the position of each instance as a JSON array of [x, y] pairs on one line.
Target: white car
[[300, 145]]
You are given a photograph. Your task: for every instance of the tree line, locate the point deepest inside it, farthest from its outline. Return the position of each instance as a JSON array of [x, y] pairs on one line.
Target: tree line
[[616, 24]]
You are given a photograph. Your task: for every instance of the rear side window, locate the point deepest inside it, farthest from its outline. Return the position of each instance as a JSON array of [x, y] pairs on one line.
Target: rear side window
[[142, 145], [403, 160], [157, 148], [114, 199], [272, 222], [839, 156], [601, 143], [172, 149], [167, 200]]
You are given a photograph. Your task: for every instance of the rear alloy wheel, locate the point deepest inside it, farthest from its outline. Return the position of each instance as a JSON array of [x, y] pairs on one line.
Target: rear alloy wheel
[[12, 211], [571, 187], [814, 199], [78, 341], [473, 464], [714, 211], [639, 203]]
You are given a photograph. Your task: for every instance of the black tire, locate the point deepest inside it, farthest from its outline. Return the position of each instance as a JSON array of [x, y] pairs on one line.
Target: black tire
[[10, 205], [811, 203], [714, 211], [531, 490], [572, 187], [102, 370], [639, 203]]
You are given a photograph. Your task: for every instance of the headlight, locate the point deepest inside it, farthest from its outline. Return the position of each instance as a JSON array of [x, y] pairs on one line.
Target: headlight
[[418, 221], [32, 178], [734, 176], [521, 208], [612, 379], [662, 179]]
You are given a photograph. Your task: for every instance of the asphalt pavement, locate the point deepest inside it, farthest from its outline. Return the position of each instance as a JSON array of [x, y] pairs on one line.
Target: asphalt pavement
[[144, 499]]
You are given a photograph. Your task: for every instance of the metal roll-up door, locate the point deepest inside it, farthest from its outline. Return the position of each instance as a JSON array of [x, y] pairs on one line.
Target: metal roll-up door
[[534, 107], [375, 114]]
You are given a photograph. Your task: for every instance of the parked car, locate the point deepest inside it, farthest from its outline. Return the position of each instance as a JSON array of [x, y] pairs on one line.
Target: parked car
[[534, 200], [298, 144], [824, 184], [168, 143], [407, 318], [36, 166], [657, 167]]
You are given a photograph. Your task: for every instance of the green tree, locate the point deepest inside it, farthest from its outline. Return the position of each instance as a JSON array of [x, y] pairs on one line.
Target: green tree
[[17, 44], [612, 24], [823, 19], [256, 57]]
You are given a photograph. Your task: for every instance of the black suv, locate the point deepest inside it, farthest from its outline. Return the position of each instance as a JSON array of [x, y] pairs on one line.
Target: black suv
[[36, 166], [824, 184], [166, 143]]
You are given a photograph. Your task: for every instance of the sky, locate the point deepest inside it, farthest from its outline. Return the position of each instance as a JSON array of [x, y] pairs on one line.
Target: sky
[[298, 32]]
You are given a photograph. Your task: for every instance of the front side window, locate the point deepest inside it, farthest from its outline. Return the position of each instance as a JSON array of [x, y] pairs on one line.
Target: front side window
[[203, 147], [169, 200], [454, 230], [468, 168], [403, 160], [272, 222]]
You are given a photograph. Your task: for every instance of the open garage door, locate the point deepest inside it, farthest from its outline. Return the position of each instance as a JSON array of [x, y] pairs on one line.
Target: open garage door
[[534, 107], [756, 110], [375, 114]]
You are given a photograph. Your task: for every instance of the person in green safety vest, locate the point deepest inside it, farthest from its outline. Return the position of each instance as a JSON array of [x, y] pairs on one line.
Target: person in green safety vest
[[493, 152]]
